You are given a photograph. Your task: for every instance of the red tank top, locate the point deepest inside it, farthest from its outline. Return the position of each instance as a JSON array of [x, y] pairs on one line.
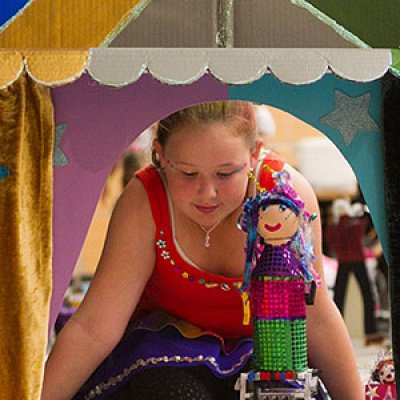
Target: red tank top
[[209, 301]]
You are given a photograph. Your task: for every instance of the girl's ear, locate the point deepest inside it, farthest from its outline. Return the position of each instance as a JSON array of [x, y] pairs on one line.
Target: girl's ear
[[255, 154], [157, 148]]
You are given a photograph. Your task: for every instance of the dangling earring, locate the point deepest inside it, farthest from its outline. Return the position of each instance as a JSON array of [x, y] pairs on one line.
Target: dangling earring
[[250, 174], [251, 180], [155, 158]]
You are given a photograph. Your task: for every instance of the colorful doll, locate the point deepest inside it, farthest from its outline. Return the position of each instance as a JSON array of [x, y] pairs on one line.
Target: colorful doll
[[385, 372], [382, 385], [278, 275]]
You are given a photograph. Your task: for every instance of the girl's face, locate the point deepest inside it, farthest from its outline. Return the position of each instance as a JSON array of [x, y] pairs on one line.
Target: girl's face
[[207, 171], [277, 224]]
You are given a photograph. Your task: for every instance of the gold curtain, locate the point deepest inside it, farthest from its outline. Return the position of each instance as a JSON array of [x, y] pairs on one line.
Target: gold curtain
[[26, 150], [70, 24]]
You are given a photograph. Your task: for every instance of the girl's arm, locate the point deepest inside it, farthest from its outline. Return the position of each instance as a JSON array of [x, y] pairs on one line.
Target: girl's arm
[[330, 348], [125, 266]]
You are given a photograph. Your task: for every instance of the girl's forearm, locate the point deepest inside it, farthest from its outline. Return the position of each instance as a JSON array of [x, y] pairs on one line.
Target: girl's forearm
[[72, 360], [332, 353]]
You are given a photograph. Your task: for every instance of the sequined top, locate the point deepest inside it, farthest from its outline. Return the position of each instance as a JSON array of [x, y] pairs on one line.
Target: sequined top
[[278, 261], [209, 301]]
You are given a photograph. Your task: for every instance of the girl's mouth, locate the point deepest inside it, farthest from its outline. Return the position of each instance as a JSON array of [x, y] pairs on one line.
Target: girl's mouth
[[206, 209], [273, 228]]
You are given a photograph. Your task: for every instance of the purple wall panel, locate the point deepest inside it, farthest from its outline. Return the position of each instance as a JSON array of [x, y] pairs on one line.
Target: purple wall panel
[[101, 123]]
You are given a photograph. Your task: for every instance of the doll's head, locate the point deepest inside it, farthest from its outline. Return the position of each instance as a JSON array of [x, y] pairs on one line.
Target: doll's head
[[384, 372], [275, 215], [278, 218], [274, 218]]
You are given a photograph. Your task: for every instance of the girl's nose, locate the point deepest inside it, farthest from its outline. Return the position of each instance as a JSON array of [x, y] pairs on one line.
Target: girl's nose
[[207, 188]]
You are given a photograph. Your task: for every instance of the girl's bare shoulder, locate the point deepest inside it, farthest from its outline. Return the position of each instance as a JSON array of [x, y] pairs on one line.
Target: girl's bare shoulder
[[303, 188], [133, 206]]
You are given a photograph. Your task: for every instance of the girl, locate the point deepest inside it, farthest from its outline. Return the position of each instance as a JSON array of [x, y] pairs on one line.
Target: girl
[[174, 259]]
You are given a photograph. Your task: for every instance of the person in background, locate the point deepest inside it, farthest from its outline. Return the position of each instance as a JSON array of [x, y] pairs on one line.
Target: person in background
[[345, 235], [164, 316], [130, 164], [136, 155], [373, 243]]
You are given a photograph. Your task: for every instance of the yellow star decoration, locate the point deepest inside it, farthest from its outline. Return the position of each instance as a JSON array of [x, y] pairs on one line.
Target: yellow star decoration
[[371, 394]]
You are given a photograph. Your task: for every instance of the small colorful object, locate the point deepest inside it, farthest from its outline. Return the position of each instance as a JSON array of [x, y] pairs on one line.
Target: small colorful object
[[382, 384]]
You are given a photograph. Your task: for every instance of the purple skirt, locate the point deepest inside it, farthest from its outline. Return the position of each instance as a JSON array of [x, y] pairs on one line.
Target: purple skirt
[[159, 339]]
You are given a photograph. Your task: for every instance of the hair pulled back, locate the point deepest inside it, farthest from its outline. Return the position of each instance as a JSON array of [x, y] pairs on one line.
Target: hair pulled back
[[237, 114]]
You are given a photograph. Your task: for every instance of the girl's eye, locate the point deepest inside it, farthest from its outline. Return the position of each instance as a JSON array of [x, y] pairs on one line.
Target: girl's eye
[[225, 174], [282, 208], [189, 174]]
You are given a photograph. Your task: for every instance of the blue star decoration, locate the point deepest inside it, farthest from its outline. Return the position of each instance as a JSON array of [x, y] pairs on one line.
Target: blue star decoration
[[350, 116], [59, 158], [4, 172]]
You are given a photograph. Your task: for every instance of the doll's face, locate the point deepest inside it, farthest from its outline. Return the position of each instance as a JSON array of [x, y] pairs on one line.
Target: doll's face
[[277, 224], [386, 373]]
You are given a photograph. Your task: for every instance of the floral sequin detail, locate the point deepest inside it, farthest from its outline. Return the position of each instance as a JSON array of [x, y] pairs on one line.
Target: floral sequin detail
[[165, 255], [162, 244]]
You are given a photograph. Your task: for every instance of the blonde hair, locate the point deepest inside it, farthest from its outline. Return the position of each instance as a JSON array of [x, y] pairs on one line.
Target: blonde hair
[[239, 114]]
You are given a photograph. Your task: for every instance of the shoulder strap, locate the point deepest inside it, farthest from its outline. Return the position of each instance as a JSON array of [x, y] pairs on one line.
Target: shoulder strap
[[152, 182]]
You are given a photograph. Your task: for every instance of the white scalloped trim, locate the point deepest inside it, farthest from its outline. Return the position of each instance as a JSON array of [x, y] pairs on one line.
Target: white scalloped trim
[[299, 66], [179, 66], [116, 67], [362, 64], [238, 66], [174, 67]]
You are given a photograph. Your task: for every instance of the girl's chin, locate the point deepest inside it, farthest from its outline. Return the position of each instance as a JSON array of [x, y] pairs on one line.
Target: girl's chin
[[208, 221]]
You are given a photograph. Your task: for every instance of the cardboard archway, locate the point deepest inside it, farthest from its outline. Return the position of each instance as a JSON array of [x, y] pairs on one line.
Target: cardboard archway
[[103, 99], [101, 120]]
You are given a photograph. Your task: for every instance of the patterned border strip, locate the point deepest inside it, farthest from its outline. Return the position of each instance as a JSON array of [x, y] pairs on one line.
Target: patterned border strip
[[113, 381], [177, 66]]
